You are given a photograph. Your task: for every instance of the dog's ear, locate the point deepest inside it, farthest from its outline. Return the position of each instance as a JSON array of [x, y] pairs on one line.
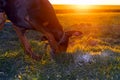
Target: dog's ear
[[73, 33]]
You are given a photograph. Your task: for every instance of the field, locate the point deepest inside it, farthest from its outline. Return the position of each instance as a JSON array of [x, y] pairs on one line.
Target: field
[[93, 56]]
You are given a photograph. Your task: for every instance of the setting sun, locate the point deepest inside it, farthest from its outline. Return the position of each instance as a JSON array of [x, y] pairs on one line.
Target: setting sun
[[87, 2]]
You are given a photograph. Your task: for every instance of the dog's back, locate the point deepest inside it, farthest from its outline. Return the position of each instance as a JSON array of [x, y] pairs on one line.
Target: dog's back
[[16, 10]]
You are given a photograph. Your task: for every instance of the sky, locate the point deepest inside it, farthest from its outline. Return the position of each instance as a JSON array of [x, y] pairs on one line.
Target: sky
[[87, 2]]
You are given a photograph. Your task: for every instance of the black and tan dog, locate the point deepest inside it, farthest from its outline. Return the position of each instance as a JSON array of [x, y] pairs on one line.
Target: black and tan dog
[[37, 15]]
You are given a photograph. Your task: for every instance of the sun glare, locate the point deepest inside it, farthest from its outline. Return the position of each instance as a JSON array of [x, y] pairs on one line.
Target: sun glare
[[83, 6], [82, 2], [87, 2], [77, 2]]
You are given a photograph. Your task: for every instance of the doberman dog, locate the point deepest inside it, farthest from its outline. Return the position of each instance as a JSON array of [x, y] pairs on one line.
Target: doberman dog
[[37, 15]]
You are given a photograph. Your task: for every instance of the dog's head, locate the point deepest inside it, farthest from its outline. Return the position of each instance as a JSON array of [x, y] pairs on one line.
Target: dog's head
[[63, 43]]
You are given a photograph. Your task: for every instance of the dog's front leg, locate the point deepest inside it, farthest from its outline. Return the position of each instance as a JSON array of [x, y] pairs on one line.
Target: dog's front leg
[[2, 20], [27, 47]]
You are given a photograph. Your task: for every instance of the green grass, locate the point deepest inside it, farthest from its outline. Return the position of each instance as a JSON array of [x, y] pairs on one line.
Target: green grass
[[95, 56]]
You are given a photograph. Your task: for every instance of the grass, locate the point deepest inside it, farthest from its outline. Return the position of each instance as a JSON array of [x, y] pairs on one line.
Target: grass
[[95, 56]]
